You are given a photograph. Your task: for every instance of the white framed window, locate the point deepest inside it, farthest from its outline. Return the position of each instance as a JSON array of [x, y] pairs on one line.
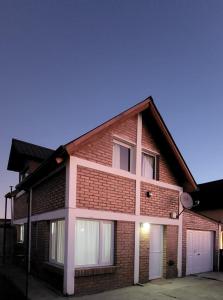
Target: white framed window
[[94, 243], [20, 233], [57, 241], [123, 156], [148, 165]]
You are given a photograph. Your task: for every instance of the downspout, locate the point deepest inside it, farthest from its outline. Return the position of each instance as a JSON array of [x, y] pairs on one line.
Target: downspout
[[4, 233]]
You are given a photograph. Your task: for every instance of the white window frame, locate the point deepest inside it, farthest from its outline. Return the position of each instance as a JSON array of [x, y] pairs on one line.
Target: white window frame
[[132, 156], [51, 260], [146, 152], [100, 264]]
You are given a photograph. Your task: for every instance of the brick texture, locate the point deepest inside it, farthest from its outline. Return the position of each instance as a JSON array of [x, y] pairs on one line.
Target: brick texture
[[170, 251], [50, 194], [197, 222], [144, 257], [99, 149], [124, 260], [162, 202], [165, 172], [99, 190], [20, 206]]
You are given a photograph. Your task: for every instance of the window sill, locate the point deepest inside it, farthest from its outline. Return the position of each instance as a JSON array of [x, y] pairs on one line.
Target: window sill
[[53, 267], [84, 272]]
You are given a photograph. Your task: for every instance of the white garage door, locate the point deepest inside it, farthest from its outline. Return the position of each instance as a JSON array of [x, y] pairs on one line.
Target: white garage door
[[199, 251]]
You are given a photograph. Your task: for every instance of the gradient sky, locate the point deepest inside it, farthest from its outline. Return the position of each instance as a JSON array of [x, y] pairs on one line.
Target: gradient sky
[[68, 65]]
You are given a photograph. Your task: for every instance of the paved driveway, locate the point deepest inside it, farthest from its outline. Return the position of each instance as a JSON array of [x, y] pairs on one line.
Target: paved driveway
[[188, 288]]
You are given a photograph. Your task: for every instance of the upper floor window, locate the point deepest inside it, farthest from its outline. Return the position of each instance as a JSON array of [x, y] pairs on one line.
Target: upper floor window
[[23, 175], [123, 156], [148, 166]]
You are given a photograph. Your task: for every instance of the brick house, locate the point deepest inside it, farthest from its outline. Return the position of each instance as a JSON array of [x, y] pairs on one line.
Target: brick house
[[101, 207]]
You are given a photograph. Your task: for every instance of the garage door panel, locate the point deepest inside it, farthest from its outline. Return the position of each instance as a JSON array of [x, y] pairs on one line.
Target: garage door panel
[[199, 251]]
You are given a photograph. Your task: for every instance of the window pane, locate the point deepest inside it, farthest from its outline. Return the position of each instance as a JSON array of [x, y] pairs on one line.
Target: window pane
[[148, 165], [106, 243], [53, 240], [87, 242], [60, 241], [22, 233], [124, 158]]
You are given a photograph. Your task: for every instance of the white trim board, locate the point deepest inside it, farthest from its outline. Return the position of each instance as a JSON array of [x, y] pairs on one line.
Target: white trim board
[[99, 214], [106, 169]]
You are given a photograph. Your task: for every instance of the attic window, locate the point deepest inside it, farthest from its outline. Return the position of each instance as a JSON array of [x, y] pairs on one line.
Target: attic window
[[123, 156], [148, 166], [23, 175]]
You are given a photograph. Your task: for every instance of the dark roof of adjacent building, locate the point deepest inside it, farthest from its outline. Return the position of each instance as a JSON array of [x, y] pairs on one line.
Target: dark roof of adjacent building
[[21, 150], [210, 195]]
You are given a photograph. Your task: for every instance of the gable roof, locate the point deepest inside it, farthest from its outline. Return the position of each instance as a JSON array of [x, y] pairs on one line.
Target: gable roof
[[20, 151], [144, 106], [148, 103], [210, 195]]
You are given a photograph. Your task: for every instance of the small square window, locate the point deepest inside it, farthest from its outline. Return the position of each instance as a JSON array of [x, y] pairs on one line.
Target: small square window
[[123, 157], [148, 166]]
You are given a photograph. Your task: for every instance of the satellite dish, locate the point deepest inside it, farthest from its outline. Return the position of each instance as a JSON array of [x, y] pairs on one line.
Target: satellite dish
[[186, 200]]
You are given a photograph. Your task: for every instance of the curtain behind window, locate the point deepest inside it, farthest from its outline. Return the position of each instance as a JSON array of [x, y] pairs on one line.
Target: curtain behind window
[[87, 242]]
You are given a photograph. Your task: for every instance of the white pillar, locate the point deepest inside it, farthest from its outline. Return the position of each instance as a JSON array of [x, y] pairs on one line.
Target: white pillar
[[70, 204], [137, 204], [180, 240], [136, 258]]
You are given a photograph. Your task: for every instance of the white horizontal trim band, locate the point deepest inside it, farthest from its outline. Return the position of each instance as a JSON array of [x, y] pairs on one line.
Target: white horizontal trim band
[[113, 171], [99, 214]]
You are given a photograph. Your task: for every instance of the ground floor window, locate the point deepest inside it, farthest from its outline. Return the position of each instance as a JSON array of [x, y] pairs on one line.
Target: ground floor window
[[20, 233], [94, 243], [57, 241]]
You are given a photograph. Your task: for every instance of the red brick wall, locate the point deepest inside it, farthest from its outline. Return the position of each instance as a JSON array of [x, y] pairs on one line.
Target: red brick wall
[[165, 173], [99, 149], [144, 257], [20, 206], [50, 194], [103, 191], [124, 260], [170, 251], [162, 202], [194, 221]]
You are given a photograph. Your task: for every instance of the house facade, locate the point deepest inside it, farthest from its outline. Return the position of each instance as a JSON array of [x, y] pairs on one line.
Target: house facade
[[104, 208]]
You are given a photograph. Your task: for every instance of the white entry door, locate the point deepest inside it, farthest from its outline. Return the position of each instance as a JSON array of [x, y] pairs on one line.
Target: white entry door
[[199, 251], [156, 252]]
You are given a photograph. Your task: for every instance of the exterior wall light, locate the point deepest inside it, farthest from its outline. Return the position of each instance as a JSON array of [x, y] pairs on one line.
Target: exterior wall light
[[145, 227], [149, 194]]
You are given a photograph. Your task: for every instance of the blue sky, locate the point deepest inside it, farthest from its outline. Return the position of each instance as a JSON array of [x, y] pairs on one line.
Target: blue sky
[[68, 65]]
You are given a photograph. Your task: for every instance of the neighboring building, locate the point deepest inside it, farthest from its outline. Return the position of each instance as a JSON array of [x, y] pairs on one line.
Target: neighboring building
[[102, 206], [210, 196]]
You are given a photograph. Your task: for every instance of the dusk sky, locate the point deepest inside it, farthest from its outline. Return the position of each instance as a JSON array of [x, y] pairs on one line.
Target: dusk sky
[[68, 65]]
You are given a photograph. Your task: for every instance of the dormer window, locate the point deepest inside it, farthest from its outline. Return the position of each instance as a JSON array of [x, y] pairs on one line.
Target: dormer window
[[23, 175], [148, 165], [123, 155]]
